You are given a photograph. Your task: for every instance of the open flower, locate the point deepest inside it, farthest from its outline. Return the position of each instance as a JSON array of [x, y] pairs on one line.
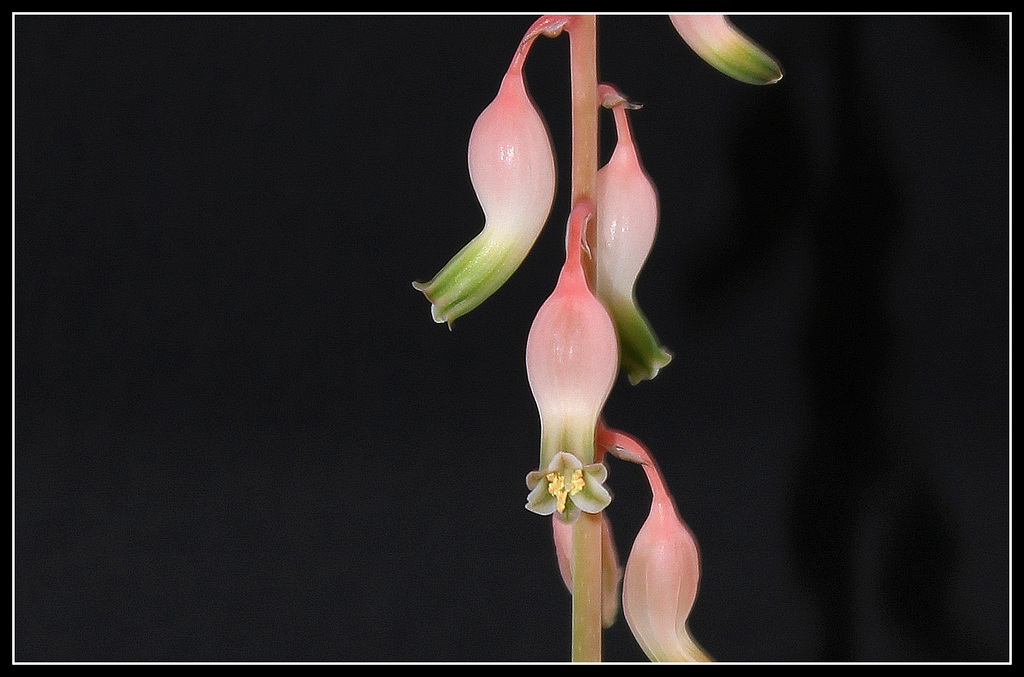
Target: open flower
[[627, 219], [512, 168], [566, 486], [571, 363], [716, 40]]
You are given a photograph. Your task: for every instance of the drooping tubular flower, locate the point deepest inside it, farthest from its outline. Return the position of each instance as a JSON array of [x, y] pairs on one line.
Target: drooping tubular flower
[[627, 220], [512, 169], [716, 40], [662, 573], [572, 358]]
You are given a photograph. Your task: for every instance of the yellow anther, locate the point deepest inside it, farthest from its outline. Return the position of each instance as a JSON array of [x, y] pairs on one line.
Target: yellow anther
[[556, 488], [577, 483]]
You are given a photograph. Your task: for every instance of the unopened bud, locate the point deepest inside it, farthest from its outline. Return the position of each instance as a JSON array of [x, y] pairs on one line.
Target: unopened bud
[[512, 168], [663, 570], [627, 220], [716, 40], [660, 586]]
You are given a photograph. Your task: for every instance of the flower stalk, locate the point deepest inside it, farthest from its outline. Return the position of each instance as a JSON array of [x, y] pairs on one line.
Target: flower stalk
[[586, 552], [589, 327]]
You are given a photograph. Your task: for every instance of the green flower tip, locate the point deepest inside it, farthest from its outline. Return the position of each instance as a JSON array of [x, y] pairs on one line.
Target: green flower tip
[[471, 276], [640, 352], [716, 40], [567, 487]]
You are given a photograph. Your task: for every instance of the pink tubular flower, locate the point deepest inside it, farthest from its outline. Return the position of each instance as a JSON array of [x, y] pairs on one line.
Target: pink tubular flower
[[512, 168], [663, 570], [627, 220], [571, 363], [716, 40]]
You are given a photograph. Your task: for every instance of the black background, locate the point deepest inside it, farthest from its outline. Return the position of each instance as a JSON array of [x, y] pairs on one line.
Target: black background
[[239, 436]]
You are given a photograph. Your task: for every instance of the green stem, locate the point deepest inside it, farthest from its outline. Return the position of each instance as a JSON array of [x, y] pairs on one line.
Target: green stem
[[586, 551], [586, 589], [585, 104]]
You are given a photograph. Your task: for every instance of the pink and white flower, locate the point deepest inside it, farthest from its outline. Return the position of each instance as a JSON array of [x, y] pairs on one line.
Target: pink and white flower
[[512, 169], [627, 220], [572, 358], [716, 40]]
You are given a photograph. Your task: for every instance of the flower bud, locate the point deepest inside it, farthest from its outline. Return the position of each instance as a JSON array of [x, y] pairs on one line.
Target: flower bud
[[512, 169], [716, 40], [627, 220], [660, 586], [611, 572], [663, 570], [571, 364]]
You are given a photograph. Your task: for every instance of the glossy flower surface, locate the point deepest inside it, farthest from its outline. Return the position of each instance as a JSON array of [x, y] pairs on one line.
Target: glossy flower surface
[[660, 586], [662, 572], [716, 40], [572, 356], [627, 220], [512, 169]]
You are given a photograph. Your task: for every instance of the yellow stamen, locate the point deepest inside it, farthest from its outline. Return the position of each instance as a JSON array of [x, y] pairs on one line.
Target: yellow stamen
[[577, 483], [557, 488]]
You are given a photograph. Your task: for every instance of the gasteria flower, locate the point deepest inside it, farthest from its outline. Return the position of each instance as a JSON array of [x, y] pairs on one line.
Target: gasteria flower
[[588, 326], [611, 572], [659, 586], [627, 219], [721, 44], [512, 169], [566, 486], [571, 363]]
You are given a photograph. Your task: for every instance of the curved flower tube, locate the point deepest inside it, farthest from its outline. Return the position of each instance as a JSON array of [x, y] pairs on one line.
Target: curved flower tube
[[662, 573], [571, 363], [627, 220], [512, 169], [716, 40]]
